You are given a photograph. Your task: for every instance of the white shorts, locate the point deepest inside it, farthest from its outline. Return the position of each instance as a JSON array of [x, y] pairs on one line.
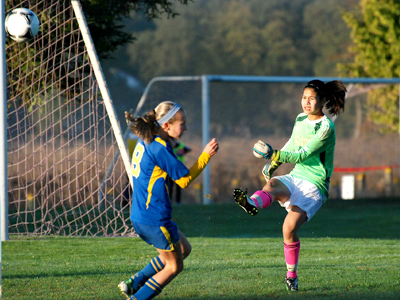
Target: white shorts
[[303, 194]]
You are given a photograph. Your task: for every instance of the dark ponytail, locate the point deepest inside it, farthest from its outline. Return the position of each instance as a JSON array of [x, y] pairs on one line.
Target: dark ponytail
[[334, 93], [144, 127]]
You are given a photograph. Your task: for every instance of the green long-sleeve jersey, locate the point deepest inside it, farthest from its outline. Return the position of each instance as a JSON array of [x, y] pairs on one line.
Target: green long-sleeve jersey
[[311, 147]]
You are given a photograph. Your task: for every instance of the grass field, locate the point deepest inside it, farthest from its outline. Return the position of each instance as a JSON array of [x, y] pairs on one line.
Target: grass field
[[350, 250]]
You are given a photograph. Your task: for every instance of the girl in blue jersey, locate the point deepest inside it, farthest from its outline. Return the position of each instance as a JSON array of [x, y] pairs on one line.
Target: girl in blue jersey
[[153, 163], [311, 148]]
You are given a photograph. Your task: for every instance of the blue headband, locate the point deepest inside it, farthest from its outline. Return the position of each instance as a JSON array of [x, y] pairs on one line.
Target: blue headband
[[165, 118]]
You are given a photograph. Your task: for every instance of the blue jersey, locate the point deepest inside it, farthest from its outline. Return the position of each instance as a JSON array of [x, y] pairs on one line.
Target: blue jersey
[[152, 164]]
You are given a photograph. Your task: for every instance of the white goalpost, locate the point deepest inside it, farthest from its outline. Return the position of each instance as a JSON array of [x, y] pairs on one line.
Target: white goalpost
[[104, 92], [3, 137]]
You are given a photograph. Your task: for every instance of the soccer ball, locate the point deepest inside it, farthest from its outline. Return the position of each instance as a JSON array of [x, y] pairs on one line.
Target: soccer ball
[[22, 24]]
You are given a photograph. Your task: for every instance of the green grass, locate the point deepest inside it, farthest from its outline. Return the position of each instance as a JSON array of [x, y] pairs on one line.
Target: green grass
[[350, 250]]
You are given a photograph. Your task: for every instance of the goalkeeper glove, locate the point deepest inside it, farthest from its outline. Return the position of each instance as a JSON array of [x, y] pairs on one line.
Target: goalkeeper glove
[[269, 169], [264, 150]]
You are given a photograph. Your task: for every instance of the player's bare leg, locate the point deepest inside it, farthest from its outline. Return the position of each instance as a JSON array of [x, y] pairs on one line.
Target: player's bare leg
[[166, 266], [277, 189], [173, 261], [293, 221], [173, 265], [186, 248]]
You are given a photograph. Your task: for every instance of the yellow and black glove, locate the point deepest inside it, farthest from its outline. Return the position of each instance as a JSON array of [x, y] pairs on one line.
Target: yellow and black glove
[[269, 169]]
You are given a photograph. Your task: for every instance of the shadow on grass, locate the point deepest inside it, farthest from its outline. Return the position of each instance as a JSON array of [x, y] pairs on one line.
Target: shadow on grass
[[368, 218], [302, 295], [121, 274]]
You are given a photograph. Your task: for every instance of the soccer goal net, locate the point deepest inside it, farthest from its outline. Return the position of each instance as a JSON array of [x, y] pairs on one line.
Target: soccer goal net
[[65, 172]]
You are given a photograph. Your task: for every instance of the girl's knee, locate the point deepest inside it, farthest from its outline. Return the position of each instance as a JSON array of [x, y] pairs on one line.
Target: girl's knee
[[175, 268], [186, 250], [273, 184], [277, 189], [288, 230], [180, 268]]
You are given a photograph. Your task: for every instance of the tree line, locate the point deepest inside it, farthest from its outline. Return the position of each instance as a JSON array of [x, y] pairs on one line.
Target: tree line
[[257, 37], [149, 38], [349, 38]]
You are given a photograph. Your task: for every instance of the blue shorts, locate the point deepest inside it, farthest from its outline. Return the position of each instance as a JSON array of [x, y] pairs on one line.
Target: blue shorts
[[161, 237]]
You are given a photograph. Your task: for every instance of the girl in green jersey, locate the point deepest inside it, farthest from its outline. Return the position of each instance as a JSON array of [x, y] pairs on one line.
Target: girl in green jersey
[[311, 148]]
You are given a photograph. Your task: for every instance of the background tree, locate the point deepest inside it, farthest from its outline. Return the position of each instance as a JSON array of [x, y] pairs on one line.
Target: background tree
[[375, 30], [326, 35], [276, 37], [239, 37], [105, 18]]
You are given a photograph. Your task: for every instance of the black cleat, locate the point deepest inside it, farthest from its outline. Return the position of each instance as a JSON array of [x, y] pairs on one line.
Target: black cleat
[[292, 284], [242, 200]]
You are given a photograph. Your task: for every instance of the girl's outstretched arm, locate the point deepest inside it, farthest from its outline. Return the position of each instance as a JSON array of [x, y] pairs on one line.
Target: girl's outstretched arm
[[209, 150]]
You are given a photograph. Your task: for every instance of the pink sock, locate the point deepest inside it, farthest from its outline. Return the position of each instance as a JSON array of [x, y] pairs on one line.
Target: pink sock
[[262, 199], [292, 251]]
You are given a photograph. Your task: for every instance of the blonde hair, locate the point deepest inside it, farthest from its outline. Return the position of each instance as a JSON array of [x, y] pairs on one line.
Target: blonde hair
[[146, 127]]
